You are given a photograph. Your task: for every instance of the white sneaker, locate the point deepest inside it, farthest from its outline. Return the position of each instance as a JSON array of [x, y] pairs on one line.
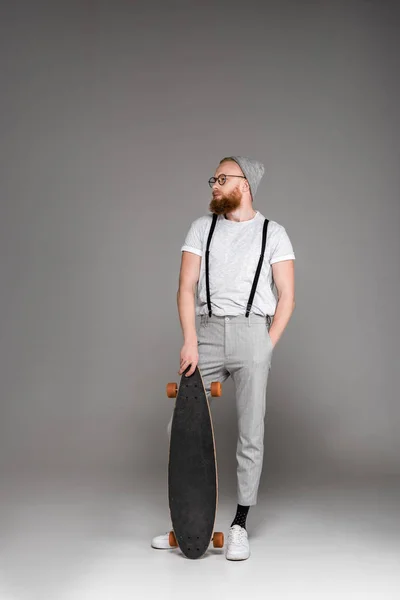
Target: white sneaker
[[238, 544], [162, 541]]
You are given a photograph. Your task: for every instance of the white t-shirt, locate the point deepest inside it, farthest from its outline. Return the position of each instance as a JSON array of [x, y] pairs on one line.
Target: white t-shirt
[[234, 254]]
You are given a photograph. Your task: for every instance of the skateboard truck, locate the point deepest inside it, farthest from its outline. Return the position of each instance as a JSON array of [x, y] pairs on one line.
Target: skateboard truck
[[215, 389], [217, 539]]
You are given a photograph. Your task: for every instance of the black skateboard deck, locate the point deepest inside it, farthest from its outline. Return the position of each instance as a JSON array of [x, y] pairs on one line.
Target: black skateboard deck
[[192, 469]]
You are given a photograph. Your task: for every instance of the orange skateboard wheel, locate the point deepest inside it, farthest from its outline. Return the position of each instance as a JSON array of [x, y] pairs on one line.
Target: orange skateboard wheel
[[172, 390], [216, 388], [218, 539], [172, 539]]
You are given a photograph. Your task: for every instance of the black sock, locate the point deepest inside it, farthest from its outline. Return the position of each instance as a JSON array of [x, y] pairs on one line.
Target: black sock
[[241, 515]]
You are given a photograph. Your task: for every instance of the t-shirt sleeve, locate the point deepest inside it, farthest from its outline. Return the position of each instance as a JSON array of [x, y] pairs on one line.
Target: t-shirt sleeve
[[194, 239], [281, 248]]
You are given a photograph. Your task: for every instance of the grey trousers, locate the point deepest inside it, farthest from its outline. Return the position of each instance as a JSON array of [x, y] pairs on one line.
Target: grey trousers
[[239, 346]]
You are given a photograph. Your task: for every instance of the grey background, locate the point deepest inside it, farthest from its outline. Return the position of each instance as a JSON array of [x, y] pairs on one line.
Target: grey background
[[113, 117]]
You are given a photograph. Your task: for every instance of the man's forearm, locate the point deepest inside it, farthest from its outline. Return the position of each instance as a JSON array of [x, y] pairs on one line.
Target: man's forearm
[[187, 315], [283, 312]]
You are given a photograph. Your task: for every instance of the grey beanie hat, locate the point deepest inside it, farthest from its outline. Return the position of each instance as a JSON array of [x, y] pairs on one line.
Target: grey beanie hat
[[252, 169]]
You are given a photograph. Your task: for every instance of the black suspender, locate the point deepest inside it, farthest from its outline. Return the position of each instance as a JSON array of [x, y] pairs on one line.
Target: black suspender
[[214, 221], [258, 270], [260, 262]]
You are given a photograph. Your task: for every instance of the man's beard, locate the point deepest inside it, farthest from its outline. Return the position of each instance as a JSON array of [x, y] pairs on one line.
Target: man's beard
[[226, 203]]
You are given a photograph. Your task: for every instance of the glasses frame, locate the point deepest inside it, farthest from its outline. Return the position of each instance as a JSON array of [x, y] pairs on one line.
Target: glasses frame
[[213, 180]]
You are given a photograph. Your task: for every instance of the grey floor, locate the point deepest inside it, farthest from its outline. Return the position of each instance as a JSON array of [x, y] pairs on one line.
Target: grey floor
[[65, 538]]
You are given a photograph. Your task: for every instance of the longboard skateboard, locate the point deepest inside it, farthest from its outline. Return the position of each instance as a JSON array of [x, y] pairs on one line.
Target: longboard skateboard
[[192, 467]]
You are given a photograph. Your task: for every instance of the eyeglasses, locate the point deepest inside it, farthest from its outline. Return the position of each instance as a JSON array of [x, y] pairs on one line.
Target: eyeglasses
[[221, 179]]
